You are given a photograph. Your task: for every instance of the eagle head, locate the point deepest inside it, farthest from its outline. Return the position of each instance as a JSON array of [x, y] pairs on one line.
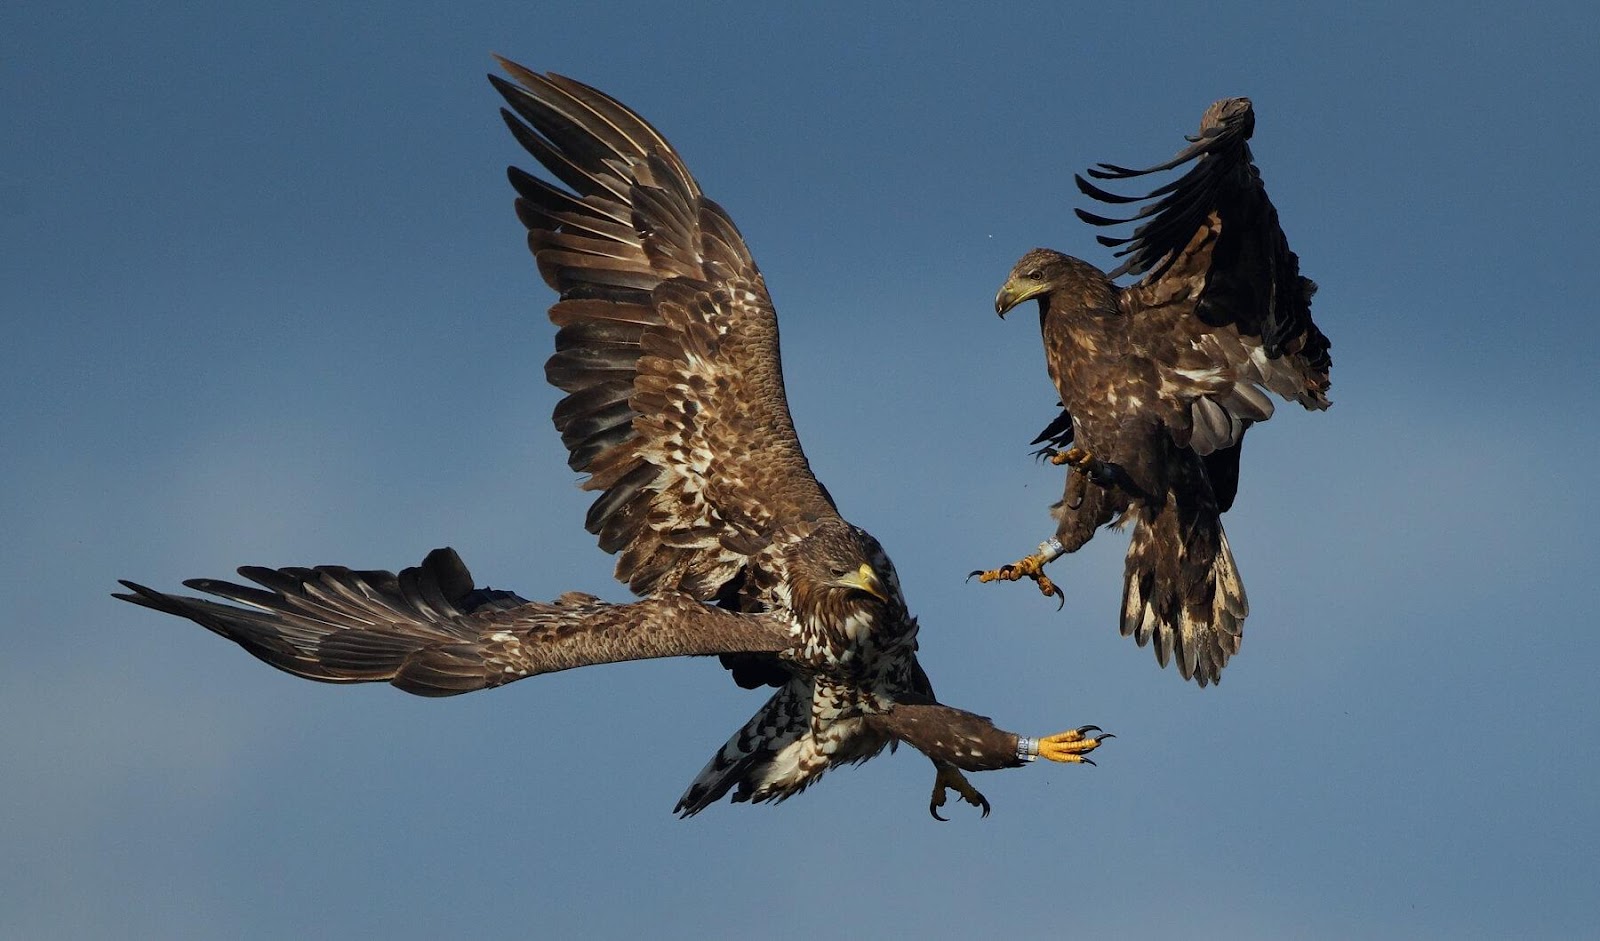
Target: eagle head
[[1044, 271], [839, 576]]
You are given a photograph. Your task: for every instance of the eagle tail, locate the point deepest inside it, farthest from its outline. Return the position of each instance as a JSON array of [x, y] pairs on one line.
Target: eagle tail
[[780, 723], [1182, 590], [776, 755]]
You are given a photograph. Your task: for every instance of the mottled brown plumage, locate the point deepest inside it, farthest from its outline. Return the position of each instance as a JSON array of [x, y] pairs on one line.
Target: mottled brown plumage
[[675, 408], [1159, 381], [430, 632], [667, 350]]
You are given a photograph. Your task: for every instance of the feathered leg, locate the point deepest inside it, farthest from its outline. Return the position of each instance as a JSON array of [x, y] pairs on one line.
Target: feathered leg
[[957, 740]]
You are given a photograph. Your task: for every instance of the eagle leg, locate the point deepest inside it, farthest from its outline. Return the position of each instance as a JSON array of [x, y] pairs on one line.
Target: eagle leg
[[950, 778], [1029, 566], [1077, 488], [1100, 473], [1073, 745]]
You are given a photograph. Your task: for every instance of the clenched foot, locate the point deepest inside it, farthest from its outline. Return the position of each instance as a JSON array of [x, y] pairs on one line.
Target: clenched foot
[[951, 779], [1098, 472], [1072, 746], [1031, 566]]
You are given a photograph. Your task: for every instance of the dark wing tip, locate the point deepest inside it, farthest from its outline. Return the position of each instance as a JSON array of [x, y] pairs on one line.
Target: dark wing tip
[[136, 592], [147, 597], [1174, 211]]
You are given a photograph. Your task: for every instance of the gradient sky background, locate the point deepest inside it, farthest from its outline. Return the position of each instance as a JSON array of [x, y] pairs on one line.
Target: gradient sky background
[[266, 302]]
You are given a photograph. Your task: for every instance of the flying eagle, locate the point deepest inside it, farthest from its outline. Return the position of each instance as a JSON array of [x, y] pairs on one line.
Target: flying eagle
[[1159, 381], [667, 351]]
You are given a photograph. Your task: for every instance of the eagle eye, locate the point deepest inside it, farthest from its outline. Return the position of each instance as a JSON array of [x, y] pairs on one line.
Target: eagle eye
[[1035, 275]]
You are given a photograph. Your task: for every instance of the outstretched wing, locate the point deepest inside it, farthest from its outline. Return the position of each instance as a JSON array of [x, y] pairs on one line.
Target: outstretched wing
[[667, 349], [430, 632], [1219, 278]]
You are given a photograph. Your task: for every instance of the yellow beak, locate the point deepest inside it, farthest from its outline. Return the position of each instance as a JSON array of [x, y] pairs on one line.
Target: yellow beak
[[1014, 292], [865, 579]]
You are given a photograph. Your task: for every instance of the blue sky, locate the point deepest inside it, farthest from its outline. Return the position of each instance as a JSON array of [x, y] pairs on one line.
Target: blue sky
[[265, 302]]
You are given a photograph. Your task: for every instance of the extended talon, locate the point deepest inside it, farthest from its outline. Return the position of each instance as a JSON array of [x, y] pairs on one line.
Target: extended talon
[[1049, 590], [1073, 745], [1031, 566], [951, 779]]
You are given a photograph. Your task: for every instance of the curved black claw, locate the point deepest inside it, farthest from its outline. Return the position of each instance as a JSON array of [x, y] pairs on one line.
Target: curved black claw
[[1072, 746], [1050, 589], [950, 779], [934, 805], [1030, 567]]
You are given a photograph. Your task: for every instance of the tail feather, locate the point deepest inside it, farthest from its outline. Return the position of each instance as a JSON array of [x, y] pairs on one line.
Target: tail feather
[[778, 753], [776, 726], [1182, 591]]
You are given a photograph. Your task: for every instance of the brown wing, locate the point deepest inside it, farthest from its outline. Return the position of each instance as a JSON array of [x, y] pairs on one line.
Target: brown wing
[[430, 632], [668, 347], [1220, 279]]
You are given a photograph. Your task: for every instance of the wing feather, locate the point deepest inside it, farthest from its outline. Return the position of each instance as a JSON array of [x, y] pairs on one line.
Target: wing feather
[[430, 632], [1219, 277], [668, 348]]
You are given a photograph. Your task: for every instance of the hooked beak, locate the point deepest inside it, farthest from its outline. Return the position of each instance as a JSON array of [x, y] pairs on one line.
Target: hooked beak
[[1014, 292], [865, 579]]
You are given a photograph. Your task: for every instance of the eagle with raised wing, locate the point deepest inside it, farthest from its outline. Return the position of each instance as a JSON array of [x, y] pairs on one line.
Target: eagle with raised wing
[[1159, 381], [667, 350]]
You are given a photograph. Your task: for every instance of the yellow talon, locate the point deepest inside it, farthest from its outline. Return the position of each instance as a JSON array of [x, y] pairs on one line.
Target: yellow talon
[[1072, 746], [1031, 566], [1077, 457]]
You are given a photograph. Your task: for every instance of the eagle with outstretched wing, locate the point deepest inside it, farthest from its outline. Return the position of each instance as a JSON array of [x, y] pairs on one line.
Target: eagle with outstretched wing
[[1160, 380], [674, 408]]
